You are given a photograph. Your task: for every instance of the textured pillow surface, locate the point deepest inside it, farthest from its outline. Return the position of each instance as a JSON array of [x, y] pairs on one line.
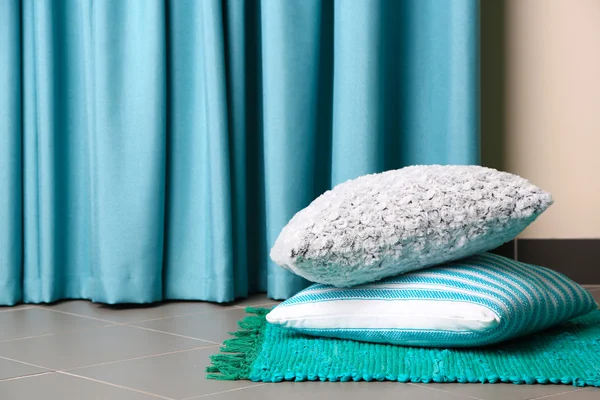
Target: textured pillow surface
[[477, 301], [398, 221]]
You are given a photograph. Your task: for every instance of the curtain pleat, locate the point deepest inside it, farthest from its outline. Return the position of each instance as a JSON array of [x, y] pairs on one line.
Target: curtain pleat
[[94, 132], [11, 207], [154, 149]]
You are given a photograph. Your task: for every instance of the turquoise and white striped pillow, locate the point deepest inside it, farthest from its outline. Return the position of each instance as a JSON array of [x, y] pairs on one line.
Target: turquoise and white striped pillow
[[476, 301]]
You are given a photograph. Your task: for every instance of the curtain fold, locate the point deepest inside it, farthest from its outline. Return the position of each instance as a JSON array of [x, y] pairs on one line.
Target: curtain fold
[[11, 208], [154, 149]]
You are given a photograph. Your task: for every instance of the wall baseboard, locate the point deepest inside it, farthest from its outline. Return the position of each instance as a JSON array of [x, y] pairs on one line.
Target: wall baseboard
[[506, 250], [579, 259]]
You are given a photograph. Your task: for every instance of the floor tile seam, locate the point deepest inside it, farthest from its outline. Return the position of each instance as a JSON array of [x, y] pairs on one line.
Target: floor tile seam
[[28, 363], [59, 333], [74, 314], [82, 367], [115, 385], [14, 378], [257, 305], [109, 325], [559, 394], [230, 308], [174, 334], [13, 309], [25, 338], [426, 386], [179, 316], [226, 391]]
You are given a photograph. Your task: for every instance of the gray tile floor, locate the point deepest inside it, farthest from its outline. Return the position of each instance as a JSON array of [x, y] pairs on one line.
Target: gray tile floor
[[80, 350]]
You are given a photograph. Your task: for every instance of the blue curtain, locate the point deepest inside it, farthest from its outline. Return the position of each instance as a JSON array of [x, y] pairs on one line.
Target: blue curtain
[[154, 149]]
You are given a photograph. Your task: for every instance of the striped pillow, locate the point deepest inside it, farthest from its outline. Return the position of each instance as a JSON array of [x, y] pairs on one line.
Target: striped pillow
[[476, 301]]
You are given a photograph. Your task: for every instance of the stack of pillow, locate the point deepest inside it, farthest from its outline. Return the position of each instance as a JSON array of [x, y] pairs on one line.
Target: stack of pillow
[[401, 257]]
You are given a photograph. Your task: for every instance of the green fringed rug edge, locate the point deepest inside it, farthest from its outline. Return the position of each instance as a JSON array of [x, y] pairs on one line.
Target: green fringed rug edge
[[238, 356]]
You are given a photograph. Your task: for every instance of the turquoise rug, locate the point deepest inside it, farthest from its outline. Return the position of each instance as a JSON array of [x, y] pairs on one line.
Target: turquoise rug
[[568, 354]]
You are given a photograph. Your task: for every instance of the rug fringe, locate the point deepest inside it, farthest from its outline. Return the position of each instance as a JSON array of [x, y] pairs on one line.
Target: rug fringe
[[238, 353]]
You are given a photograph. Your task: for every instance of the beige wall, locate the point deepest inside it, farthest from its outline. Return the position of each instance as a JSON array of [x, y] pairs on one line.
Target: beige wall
[[547, 76]]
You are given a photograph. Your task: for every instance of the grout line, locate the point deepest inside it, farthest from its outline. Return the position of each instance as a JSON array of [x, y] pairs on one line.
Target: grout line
[[109, 322], [426, 386], [226, 391], [59, 333], [224, 309], [112, 322], [17, 308], [27, 363], [180, 315], [174, 334], [14, 378], [559, 394], [26, 337], [274, 303], [209, 343], [228, 308], [136, 358], [77, 315], [115, 385]]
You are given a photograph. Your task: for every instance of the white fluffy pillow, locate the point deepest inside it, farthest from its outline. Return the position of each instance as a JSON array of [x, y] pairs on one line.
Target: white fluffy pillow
[[397, 221]]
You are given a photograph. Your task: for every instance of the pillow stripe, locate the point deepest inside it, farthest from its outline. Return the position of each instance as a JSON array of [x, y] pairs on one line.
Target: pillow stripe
[[525, 298], [568, 301], [540, 281], [534, 301], [433, 282], [489, 278]]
